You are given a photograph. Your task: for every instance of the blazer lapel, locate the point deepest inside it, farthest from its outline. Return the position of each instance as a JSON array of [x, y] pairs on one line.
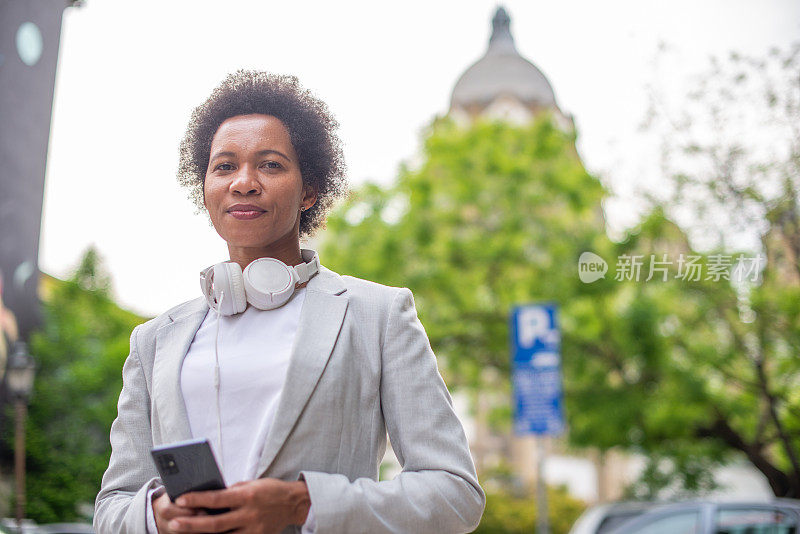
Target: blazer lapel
[[172, 344], [321, 319]]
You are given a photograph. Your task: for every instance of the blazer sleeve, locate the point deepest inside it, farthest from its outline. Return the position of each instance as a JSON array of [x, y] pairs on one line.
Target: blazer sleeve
[[437, 490], [120, 507]]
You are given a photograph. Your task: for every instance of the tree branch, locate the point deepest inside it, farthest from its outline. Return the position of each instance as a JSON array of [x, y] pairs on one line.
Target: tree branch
[[773, 412], [779, 481]]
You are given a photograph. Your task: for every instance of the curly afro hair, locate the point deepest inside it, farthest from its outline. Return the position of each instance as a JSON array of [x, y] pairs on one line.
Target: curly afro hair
[[312, 129]]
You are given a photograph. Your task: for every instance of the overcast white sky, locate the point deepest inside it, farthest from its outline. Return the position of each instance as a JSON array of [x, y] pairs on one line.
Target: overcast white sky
[[130, 73]]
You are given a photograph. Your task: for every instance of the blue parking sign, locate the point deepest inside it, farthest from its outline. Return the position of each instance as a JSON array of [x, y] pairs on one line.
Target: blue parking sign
[[536, 370]]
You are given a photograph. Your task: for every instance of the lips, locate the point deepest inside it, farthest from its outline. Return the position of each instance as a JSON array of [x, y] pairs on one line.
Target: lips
[[245, 211]]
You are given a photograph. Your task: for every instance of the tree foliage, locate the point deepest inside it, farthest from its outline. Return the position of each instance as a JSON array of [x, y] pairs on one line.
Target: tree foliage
[[496, 215], [731, 153], [79, 353], [690, 372]]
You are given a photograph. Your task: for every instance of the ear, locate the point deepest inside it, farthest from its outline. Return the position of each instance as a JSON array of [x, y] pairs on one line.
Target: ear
[[309, 196]]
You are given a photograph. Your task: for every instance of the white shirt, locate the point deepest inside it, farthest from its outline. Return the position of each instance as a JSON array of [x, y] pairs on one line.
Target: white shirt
[[254, 352]]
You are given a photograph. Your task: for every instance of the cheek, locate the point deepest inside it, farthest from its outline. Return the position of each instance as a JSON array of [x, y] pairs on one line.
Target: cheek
[[211, 195]]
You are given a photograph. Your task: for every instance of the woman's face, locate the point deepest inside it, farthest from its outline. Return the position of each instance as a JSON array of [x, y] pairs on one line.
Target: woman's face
[[253, 188]]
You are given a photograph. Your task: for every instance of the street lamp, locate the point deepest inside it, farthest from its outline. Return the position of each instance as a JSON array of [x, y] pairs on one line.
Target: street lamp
[[19, 382]]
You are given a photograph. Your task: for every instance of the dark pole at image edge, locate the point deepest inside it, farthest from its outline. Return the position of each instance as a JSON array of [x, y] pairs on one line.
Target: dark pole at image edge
[[30, 31]]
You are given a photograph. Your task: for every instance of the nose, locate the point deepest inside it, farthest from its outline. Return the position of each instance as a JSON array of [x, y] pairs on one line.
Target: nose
[[246, 181]]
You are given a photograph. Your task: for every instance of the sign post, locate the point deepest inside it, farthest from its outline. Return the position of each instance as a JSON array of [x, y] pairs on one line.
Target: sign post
[[536, 377]]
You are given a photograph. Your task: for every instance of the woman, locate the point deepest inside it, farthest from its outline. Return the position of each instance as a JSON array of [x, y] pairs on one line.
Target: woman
[[295, 392]]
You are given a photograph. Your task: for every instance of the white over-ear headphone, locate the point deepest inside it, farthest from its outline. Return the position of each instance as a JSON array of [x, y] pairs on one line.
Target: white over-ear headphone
[[266, 283]]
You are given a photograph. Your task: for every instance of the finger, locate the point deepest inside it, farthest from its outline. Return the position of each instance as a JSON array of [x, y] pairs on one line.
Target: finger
[[166, 509], [173, 510], [225, 498]]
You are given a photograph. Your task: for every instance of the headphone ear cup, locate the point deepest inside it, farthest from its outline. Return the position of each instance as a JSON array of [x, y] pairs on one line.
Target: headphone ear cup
[[269, 283], [227, 284], [238, 294], [235, 299]]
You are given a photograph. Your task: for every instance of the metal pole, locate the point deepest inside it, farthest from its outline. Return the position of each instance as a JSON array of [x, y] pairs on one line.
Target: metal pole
[[19, 459], [542, 521]]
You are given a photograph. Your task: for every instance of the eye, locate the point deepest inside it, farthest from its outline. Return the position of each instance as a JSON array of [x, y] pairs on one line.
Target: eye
[[224, 167], [272, 165]]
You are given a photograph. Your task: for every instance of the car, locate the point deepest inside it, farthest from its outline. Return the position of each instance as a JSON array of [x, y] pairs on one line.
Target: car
[[779, 516], [65, 528], [9, 526], [602, 518]]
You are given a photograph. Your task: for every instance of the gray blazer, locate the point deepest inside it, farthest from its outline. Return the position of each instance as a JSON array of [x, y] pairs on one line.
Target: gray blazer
[[361, 365]]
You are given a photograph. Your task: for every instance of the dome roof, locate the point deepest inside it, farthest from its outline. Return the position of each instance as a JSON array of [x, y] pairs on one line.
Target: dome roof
[[502, 71]]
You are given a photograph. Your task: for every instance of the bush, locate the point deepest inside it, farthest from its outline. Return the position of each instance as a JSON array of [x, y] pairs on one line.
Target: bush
[[507, 513]]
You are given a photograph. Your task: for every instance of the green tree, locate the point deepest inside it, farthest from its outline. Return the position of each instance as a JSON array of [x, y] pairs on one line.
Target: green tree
[[731, 159], [79, 352], [691, 373], [659, 373], [496, 215]]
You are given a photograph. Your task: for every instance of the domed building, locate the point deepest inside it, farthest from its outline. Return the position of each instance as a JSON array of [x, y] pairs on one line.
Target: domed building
[[504, 85]]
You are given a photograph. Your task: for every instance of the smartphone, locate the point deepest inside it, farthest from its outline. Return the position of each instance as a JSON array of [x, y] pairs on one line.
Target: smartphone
[[187, 466]]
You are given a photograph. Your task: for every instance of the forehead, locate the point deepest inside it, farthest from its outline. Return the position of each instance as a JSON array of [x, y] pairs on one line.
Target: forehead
[[252, 131]]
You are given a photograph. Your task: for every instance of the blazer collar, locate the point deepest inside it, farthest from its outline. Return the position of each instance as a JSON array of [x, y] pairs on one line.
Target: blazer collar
[[321, 318]]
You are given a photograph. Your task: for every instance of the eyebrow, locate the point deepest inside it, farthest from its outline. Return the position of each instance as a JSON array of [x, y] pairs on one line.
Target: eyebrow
[[229, 154]]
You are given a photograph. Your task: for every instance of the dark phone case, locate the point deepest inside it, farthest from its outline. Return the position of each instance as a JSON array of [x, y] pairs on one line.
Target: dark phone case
[[188, 466]]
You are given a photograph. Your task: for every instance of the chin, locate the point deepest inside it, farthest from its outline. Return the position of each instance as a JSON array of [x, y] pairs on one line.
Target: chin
[[250, 243], [252, 238]]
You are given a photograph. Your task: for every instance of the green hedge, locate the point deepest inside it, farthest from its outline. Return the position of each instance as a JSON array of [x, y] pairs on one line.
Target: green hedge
[[507, 513]]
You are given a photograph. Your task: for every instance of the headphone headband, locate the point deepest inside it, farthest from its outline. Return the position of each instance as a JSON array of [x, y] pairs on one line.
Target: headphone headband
[[309, 267]]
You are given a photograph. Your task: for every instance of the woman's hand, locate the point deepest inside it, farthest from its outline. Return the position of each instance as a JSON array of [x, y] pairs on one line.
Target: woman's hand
[[262, 506], [164, 511]]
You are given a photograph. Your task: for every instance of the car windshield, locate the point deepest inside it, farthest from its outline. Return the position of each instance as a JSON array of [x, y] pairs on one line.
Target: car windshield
[[682, 522], [614, 520]]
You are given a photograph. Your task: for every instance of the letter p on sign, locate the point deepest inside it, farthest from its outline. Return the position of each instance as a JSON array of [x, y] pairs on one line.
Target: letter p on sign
[[533, 324]]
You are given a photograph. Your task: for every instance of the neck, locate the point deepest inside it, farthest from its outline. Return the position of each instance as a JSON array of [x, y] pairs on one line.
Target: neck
[[288, 253]]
